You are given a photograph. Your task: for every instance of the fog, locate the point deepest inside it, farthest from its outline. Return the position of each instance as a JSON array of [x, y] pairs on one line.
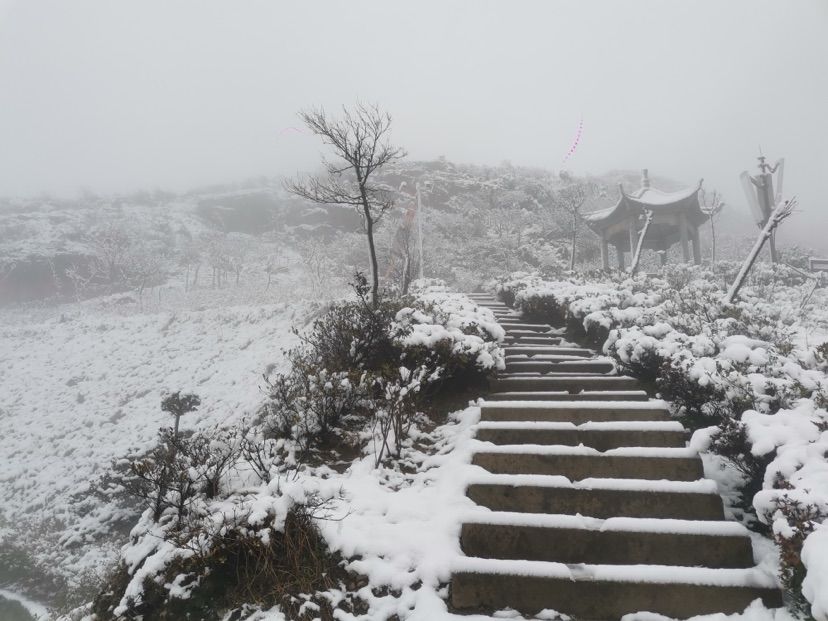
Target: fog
[[116, 96]]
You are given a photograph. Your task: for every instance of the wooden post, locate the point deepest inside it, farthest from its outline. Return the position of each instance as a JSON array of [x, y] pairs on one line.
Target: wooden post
[[633, 240], [685, 249], [604, 253], [636, 257], [696, 247], [772, 245], [782, 211]]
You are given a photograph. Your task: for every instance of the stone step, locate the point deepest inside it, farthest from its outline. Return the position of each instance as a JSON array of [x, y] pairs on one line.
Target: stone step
[[566, 366], [579, 466], [548, 395], [523, 339], [574, 384], [516, 333], [545, 358], [600, 436], [600, 498], [573, 412], [628, 541], [549, 350], [530, 327], [604, 592]]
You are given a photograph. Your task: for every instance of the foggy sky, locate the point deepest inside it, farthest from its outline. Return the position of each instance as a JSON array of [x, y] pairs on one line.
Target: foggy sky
[[116, 96]]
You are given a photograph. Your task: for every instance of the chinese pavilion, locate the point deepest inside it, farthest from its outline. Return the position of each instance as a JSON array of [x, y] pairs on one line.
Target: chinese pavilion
[[676, 217]]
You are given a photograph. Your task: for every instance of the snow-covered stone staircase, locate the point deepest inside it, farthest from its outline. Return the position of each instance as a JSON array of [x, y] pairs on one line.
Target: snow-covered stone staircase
[[597, 508]]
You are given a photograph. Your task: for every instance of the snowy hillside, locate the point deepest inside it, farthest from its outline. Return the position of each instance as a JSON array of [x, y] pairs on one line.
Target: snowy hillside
[[83, 387]]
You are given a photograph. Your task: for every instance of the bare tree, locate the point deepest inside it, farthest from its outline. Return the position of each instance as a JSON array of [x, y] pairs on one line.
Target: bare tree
[[275, 263], [360, 143], [317, 262], [238, 248], [711, 205], [145, 266]]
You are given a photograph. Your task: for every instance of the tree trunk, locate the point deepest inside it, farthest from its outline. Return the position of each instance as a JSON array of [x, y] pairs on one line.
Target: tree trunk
[[369, 229], [572, 253]]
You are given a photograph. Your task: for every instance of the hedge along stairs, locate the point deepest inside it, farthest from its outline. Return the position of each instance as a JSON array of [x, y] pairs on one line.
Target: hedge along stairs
[[597, 506]]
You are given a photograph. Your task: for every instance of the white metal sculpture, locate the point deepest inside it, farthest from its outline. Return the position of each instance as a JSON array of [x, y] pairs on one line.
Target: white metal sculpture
[[761, 196]]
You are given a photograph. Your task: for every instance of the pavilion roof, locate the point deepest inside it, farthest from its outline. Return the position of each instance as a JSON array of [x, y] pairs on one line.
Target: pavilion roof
[[645, 198]]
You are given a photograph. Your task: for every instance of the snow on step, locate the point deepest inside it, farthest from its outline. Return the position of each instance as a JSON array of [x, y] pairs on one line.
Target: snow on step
[[533, 327], [702, 486], [574, 383], [565, 449], [607, 592], [652, 404], [619, 425], [590, 396], [568, 544], [539, 350], [600, 435], [651, 574], [574, 411], [712, 528], [581, 462], [551, 367], [597, 497]]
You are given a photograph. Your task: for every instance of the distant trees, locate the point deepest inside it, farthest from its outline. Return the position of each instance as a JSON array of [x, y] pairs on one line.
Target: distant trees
[[121, 257], [360, 142], [191, 259]]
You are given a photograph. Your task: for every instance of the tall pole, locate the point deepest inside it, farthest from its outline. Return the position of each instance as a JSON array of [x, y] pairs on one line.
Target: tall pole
[[420, 228]]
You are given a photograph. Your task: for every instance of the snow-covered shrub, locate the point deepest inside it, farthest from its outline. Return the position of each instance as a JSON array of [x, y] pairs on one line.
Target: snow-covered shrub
[[453, 338], [396, 412], [179, 469], [312, 405], [343, 375], [352, 334], [260, 546], [506, 288]]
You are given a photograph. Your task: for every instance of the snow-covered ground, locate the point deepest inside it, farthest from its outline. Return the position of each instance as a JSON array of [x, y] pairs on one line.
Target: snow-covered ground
[[82, 385]]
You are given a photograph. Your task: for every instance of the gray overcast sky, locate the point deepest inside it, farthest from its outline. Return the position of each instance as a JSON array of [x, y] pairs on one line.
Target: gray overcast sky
[[115, 96]]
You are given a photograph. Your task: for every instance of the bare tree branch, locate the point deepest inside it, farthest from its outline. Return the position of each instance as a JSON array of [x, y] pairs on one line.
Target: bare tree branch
[[360, 140]]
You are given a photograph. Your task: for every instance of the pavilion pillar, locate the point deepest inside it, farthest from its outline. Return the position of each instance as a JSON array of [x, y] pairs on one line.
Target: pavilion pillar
[[604, 254], [685, 247], [696, 247], [620, 257]]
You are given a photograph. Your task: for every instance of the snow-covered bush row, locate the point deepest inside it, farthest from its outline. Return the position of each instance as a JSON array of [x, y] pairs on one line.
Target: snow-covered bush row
[[214, 535], [743, 375]]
